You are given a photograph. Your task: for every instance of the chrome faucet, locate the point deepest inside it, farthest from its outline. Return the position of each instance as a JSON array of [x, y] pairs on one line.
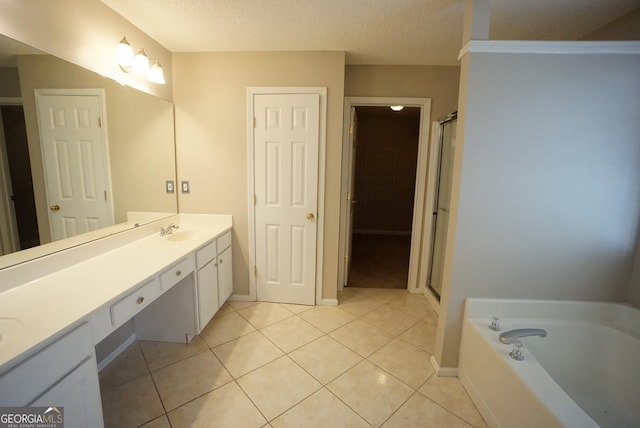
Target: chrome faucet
[[164, 231], [512, 336]]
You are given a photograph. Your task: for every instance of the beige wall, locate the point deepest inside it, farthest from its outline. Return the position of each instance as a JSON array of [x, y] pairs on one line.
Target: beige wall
[[84, 32], [139, 132], [625, 28], [210, 93], [436, 82], [9, 82]]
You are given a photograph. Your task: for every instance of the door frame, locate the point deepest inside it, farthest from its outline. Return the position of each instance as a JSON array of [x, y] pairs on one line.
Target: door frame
[[252, 91], [102, 105], [10, 239], [413, 286]]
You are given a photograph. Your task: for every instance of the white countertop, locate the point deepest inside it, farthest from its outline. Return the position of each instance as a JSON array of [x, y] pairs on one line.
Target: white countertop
[[50, 304]]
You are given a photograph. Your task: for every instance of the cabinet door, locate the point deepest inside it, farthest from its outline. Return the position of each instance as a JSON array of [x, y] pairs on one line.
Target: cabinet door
[[207, 293], [79, 394], [225, 275]]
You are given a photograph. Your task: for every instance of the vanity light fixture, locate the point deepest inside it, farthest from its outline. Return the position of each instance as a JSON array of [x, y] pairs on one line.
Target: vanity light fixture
[[396, 108], [140, 63]]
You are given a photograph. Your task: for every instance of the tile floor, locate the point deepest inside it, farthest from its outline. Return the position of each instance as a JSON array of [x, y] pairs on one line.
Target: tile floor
[[364, 363]]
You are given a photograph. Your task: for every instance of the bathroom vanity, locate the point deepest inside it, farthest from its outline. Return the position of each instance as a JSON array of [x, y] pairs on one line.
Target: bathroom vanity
[[171, 286]]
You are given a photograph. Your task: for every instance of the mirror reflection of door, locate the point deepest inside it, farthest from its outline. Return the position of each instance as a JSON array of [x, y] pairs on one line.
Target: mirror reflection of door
[[75, 162], [18, 220], [441, 209]]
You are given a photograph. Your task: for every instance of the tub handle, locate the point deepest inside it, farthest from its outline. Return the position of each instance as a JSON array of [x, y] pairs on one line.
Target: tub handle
[[511, 336]]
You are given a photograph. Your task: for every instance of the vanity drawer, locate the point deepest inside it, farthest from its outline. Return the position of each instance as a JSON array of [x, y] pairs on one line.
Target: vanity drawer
[[205, 254], [133, 303], [176, 272], [224, 242]]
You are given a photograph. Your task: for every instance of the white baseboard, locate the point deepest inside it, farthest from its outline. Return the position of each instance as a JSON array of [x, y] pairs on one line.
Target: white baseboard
[[329, 302], [443, 371], [114, 354], [241, 298]]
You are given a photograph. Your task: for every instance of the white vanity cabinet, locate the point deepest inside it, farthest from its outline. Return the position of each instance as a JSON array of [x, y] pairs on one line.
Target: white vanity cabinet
[[214, 277], [63, 374]]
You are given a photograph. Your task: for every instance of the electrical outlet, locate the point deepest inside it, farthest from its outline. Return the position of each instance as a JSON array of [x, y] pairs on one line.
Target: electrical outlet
[[185, 186], [170, 186]]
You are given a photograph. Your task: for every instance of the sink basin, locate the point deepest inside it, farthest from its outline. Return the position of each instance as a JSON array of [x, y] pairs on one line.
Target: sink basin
[[183, 235], [8, 328]]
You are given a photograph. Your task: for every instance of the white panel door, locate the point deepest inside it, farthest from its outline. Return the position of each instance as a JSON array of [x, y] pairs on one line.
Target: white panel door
[[286, 141], [75, 163]]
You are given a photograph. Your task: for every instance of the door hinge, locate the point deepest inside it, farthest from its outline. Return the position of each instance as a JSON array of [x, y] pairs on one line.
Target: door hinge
[[350, 129], [99, 122], [255, 271], [255, 200], [346, 259], [105, 195], [254, 121], [348, 196]]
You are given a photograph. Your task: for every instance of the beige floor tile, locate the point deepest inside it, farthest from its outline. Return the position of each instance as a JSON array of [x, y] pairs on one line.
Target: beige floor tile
[[358, 304], [225, 309], [131, 404], [384, 295], [291, 333], [390, 320], [422, 335], [225, 328], [189, 378], [297, 309], [263, 314], [240, 304], [320, 410], [161, 422], [247, 353], [325, 358], [450, 394], [226, 407], [413, 304], [127, 366], [361, 337], [277, 386], [327, 318], [405, 361], [419, 411], [432, 318], [371, 392], [161, 354]]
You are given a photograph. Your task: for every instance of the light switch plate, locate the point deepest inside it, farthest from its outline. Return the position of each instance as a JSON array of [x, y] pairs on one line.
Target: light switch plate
[[170, 186], [185, 186]]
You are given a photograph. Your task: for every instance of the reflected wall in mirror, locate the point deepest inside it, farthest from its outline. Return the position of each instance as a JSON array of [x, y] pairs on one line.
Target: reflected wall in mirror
[[141, 151]]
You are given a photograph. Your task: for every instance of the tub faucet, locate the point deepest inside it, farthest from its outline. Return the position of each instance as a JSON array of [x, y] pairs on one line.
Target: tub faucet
[[513, 335], [164, 231]]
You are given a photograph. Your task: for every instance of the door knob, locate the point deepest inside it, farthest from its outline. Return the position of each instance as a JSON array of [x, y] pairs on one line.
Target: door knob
[[310, 216], [54, 207]]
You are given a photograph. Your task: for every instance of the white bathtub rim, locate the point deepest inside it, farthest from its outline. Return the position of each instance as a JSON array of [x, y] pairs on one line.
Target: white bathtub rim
[[559, 404]]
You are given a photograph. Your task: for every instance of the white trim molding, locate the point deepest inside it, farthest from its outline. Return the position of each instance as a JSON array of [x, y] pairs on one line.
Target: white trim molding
[[550, 47], [329, 302], [443, 371]]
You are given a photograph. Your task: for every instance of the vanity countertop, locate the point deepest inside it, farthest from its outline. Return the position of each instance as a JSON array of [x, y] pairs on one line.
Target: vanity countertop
[[34, 312]]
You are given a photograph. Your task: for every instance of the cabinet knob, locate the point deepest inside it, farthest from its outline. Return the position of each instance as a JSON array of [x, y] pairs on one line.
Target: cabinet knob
[[178, 272], [140, 300]]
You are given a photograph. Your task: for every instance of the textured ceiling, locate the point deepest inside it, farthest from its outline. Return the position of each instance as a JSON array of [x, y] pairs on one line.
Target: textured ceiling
[[410, 32]]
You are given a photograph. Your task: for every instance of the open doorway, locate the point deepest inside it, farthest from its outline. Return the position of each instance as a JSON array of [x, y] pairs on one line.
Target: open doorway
[[386, 158], [384, 174], [19, 223]]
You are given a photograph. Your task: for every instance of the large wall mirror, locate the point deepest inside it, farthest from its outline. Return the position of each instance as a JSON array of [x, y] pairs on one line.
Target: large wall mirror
[[139, 154]]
